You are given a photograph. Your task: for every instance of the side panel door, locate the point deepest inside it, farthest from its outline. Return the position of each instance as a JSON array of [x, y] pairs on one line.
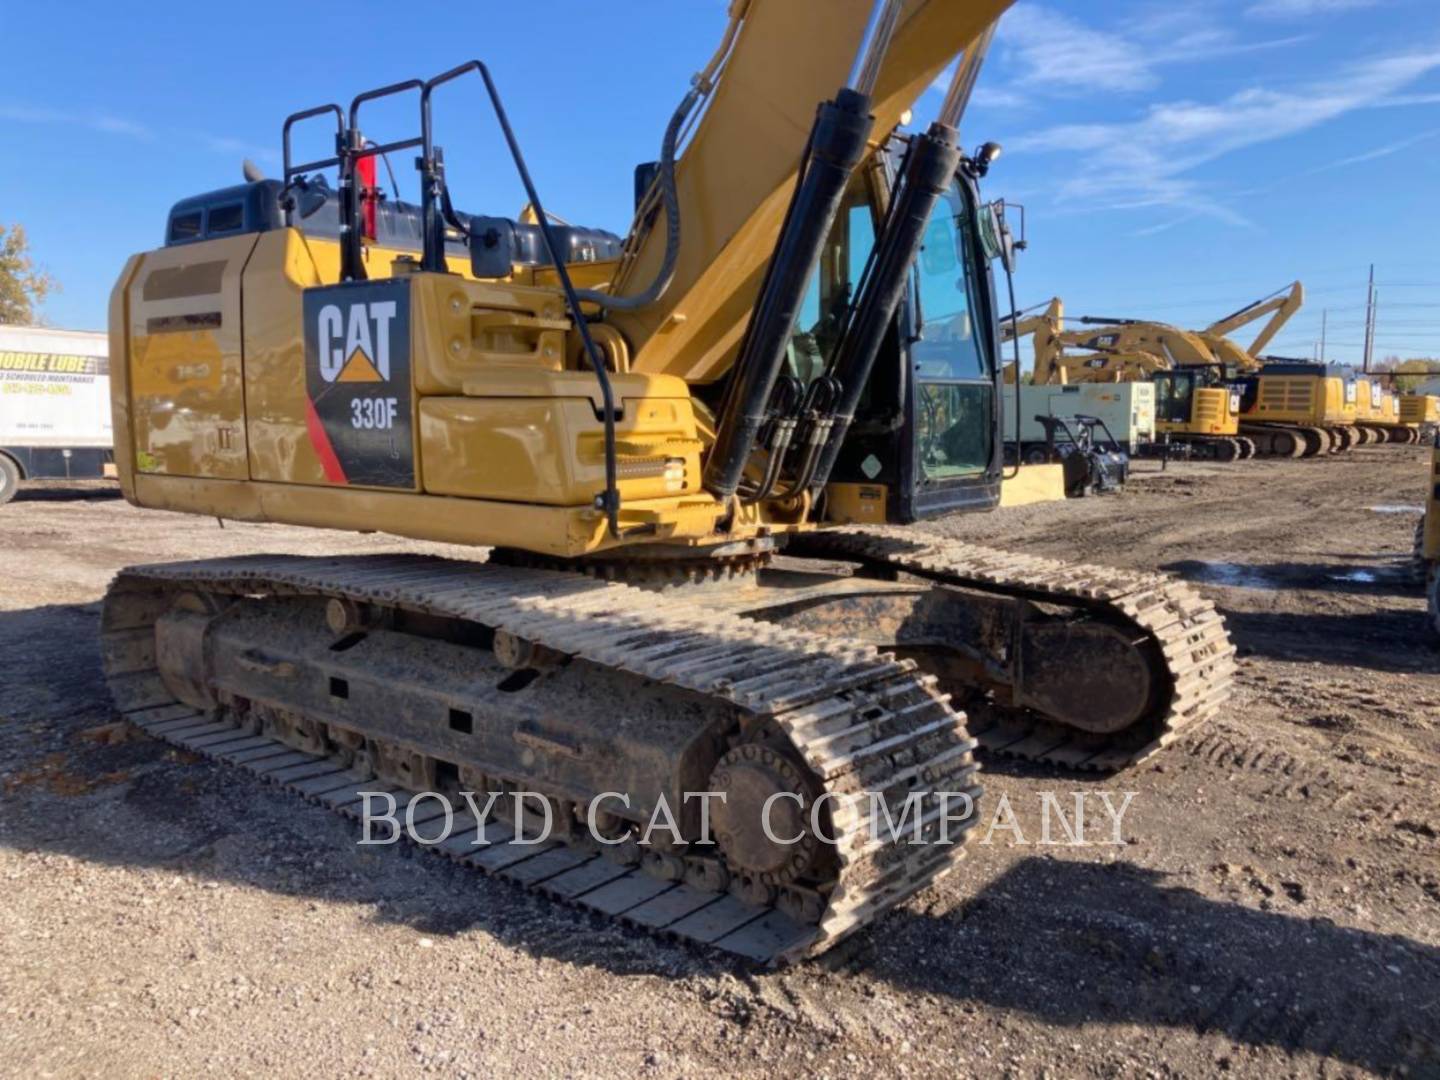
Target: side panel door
[[186, 365]]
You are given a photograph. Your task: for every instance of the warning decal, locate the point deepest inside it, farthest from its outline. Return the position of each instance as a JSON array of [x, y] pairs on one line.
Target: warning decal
[[357, 378]]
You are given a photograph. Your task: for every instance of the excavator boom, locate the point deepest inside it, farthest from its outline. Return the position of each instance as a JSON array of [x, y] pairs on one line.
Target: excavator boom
[[735, 177], [1280, 306]]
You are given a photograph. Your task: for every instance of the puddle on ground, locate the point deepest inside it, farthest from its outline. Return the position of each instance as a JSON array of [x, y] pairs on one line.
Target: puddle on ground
[[1237, 575], [1368, 577], [1396, 508], [1243, 576]]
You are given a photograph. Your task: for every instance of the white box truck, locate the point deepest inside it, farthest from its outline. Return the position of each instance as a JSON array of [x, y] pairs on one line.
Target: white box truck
[[1127, 410], [54, 405]]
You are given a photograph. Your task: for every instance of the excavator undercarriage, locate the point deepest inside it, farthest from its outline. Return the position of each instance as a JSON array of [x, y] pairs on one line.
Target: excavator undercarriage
[[826, 681]]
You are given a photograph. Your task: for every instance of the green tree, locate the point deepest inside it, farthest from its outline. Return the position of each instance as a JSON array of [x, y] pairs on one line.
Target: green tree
[[1411, 373], [23, 285]]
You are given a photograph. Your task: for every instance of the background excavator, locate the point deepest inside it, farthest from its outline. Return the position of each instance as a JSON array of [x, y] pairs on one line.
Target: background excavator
[[794, 348], [1379, 414], [1422, 412], [1290, 407], [1194, 405], [1287, 408], [1281, 306]]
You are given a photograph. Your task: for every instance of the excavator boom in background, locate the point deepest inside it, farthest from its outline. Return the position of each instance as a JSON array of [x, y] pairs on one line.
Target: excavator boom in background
[[1281, 306], [796, 348], [1286, 408]]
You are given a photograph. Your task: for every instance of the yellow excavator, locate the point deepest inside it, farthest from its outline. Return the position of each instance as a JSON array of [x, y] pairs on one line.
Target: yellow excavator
[[1291, 408], [1194, 404], [1280, 305], [692, 452], [1379, 413], [1422, 411], [1287, 409]]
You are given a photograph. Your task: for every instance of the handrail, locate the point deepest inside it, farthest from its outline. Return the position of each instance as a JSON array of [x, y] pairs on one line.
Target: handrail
[[609, 499], [292, 171], [437, 214]]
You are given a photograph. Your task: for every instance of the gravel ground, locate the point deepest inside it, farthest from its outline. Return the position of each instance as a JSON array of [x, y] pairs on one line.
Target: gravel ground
[[1274, 911]]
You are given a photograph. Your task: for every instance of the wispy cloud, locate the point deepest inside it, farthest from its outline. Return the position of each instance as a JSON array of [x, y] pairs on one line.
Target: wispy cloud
[[1375, 154], [1048, 49], [109, 124], [1151, 161], [1042, 53], [1404, 100], [95, 121], [1299, 9], [1361, 158], [997, 97]]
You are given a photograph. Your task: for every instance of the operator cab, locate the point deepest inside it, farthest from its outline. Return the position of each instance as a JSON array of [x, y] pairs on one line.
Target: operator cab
[[1175, 391], [927, 428]]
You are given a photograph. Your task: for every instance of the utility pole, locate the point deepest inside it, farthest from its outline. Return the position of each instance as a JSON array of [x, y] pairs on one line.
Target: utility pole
[[1324, 322], [1369, 320]]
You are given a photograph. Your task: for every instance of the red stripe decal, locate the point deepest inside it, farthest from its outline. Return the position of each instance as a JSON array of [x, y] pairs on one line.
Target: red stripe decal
[[321, 442]]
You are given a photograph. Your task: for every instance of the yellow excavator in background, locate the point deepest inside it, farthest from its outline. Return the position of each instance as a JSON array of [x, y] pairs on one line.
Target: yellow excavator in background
[[795, 348], [1423, 412], [1289, 407], [1044, 327], [1195, 406], [1379, 414], [1374, 411], [1281, 306]]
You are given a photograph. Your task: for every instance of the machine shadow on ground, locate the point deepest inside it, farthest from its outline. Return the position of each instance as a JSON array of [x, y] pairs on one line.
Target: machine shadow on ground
[[1073, 943], [1069, 943], [1372, 579], [60, 492], [1391, 640]]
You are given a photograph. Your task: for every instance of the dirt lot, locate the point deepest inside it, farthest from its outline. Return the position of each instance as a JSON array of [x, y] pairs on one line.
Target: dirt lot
[[1275, 911]]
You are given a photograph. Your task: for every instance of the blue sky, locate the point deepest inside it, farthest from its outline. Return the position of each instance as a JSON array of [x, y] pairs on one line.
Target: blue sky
[[1176, 159]]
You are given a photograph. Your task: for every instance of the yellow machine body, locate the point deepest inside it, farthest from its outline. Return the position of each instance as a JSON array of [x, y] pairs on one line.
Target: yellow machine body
[[498, 433], [1321, 401], [1374, 404], [1419, 409], [215, 417], [1214, 410], [1137, 352]]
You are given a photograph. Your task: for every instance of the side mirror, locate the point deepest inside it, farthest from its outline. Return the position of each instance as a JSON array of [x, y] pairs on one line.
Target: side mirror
[[492, 247], [306, 195], [996, 237]]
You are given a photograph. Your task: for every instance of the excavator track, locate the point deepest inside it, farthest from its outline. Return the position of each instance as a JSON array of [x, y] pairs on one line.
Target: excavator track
[[1187, 634], [861, 721], [1294, 440]]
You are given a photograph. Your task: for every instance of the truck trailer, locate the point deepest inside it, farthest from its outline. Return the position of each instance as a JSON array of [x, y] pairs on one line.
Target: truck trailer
[[54, 405]]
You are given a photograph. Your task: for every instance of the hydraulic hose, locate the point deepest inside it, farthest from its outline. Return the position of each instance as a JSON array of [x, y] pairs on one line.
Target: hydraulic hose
[[926, 174], [701, 86], [671, 198]]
